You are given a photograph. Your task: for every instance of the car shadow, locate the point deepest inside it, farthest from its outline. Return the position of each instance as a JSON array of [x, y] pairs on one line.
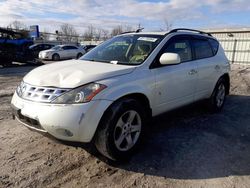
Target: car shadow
[[192, 143]]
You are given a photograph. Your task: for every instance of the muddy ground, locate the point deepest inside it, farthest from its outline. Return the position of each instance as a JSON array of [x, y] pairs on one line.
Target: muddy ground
[[189, 147]]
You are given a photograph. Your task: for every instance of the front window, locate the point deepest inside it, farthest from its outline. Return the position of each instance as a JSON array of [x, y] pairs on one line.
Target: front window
[[128, 49], [182, 47]]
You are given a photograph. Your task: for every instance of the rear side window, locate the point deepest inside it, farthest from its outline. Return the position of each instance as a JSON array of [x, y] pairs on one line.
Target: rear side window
[[181, 47], [215, 45], [47, 46], [202, 49], [72, 48]]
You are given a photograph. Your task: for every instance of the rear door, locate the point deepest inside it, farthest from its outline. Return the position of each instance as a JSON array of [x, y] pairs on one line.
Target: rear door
[[65, 53], [73, 51], [208, 66], [175, 84]]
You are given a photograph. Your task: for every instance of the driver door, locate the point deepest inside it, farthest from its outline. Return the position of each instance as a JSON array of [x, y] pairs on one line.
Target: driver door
[[175, 84]]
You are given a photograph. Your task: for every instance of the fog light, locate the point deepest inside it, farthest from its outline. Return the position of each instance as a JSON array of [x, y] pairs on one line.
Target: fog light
[[64, 132]]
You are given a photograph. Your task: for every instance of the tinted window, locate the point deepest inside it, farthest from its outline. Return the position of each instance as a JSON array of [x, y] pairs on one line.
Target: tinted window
[[47, 46], [181, 47], [214, 44], [65, 47], [202, 49], [71, 48]]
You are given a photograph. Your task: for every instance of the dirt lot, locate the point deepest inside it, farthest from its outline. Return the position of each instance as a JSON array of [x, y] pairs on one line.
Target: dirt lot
[[186, 148]]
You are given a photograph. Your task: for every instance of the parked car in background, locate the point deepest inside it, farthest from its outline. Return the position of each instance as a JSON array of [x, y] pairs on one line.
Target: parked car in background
[[35, 49], [110, 93], [89, 47], [60, 52]]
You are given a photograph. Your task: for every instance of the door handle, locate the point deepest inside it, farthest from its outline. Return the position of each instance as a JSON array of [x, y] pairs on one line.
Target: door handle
[[192, 72]]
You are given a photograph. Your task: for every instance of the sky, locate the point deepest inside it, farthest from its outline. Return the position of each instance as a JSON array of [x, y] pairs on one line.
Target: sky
[[150, 14]]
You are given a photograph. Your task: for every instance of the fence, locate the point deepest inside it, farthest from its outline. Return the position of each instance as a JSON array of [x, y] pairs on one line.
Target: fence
[[236, 45]]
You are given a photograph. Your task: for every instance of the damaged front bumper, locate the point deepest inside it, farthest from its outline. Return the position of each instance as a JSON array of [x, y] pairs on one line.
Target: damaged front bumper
[[72, 122]]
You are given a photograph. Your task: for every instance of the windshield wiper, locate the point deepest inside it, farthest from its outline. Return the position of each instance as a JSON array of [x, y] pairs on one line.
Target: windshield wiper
[[96, 60]]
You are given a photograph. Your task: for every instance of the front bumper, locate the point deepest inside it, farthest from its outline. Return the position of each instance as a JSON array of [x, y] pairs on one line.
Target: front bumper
[[74, 122]]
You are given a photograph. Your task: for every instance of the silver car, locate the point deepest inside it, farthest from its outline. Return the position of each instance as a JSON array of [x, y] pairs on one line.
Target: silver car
[[62, 52]]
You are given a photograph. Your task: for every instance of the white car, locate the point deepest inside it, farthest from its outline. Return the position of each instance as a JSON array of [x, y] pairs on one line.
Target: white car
[[110, 93], [60, 52]]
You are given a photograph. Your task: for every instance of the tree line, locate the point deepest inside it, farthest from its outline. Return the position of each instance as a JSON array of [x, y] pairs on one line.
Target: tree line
[[68, 33]]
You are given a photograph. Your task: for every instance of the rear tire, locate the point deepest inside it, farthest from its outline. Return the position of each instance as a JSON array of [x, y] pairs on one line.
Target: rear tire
[[55, 57], [218, 97], [121, 130]]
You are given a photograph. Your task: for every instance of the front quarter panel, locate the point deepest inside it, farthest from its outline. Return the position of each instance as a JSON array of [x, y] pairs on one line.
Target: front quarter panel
[[137, 82]]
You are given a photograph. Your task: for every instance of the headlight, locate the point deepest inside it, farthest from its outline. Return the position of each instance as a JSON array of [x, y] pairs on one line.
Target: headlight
[[21, 89], [81, 94]]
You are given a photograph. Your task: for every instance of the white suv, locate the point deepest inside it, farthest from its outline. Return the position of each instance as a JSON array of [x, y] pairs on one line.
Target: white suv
[[110, 93]]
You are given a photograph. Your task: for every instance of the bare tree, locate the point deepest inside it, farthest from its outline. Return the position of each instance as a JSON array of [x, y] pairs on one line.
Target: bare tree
[[105, 34], [90, 33], [101, 34], [116, 30], [120, 29], [17, 25], [68, 33], [98, 34], [168, 25]]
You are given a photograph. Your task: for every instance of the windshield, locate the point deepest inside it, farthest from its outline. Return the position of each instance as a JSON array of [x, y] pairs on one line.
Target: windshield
[[56, 48], [128, 49]]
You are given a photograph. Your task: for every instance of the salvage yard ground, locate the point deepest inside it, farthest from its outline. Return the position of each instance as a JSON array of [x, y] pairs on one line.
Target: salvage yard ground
[[189, 147]]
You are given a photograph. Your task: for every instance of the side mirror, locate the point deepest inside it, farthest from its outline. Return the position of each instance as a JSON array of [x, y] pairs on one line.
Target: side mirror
[[170, 59]]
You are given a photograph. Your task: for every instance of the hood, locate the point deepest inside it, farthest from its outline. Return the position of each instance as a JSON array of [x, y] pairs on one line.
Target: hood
[[74, 73]]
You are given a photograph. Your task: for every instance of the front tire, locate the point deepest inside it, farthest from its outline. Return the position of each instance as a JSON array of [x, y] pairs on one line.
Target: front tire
[[121, 130], [55, 57], [218, 96], [79, 55]]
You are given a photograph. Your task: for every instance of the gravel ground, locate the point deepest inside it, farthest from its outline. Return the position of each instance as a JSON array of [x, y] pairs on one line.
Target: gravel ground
[[189, 147]]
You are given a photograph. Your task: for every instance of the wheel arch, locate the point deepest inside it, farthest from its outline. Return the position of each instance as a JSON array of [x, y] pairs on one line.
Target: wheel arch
[[142, 98], [79, 54], [227, 82], [52, 56]]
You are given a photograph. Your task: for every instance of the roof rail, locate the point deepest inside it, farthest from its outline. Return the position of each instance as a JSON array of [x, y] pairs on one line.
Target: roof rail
[[136, 31], [139, 30], [126, 32], [184, 29]]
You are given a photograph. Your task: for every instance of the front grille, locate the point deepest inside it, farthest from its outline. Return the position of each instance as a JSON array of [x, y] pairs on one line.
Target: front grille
[[39, 94]]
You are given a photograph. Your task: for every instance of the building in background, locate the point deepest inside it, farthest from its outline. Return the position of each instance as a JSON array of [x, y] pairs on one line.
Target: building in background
[[236, 43]]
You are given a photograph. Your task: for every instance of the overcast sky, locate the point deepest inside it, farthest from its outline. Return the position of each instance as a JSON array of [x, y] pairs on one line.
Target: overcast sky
[[49, 14]]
